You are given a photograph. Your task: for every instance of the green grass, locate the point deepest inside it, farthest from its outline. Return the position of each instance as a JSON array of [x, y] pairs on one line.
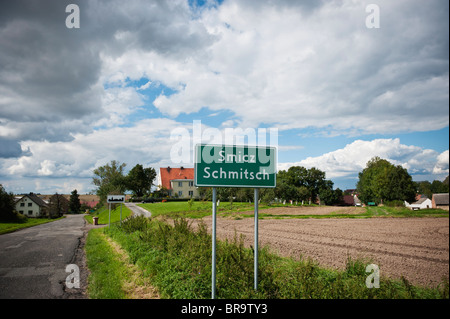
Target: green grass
[[177, 260], [199, 209], [106, 269], [385, 211], [10, 227], [245, 210], [103, 215]]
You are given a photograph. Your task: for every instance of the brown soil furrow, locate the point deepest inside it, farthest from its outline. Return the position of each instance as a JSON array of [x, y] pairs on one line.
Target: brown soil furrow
[[299, 234], [416, 248]]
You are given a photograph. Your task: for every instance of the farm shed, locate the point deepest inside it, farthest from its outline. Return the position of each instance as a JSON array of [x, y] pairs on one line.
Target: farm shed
[[440, 201]]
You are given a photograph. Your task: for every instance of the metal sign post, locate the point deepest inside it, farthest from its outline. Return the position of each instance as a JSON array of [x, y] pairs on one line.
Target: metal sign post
[[256, 240], [115, 199], [109, 222], [214, 211]]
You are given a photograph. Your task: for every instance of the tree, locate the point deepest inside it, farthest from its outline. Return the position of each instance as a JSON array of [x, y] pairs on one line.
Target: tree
[[382, 181], [58, 205], [331, 197], [110, 180], [428, 189], [74, 203], [140, 180], [299, 183], [7, 206]]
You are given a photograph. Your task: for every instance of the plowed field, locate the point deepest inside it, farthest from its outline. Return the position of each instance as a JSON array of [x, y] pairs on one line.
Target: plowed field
[[416, 248]]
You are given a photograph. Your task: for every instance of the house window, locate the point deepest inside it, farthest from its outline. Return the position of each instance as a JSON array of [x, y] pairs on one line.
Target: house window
[[191, 184], [180, 184], [30, 212], [30, 204], [191, 193], [22, 204], [180, 193], [21, 212]]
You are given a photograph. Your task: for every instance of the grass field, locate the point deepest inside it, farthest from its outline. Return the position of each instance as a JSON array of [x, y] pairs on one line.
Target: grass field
[[10, 227], [198, 209], [177, 261], [240, 210]]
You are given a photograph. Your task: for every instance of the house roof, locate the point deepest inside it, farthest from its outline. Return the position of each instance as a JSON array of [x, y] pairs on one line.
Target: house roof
[[168, 174], [39, 201], [348, 200], [441, 199], [421, 200]]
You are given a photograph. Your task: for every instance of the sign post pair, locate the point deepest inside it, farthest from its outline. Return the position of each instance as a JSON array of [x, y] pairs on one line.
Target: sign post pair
[[234, 166], [113, 199]]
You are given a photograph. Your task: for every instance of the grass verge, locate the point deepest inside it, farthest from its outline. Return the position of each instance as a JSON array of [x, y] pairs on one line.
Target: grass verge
[[111, 274], [103, 215], [177, 261], [10, 227]]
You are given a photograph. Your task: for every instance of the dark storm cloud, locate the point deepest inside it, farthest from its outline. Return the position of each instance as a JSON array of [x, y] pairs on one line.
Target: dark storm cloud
[[47, 71], [9, 148], [49, 74]]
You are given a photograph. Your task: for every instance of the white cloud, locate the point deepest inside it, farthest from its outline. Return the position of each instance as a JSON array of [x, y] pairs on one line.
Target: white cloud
[[352, 159], [442, 165], [283, 66], [147, 143]]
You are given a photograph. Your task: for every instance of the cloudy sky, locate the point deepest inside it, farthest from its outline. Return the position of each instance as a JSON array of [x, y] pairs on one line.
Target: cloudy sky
[[134, 72]]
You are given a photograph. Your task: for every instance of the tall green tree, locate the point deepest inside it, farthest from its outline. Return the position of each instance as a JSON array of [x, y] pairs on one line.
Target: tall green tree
[[110, 179], [74, 202], [382, 181], [7, 205], [140, 180], [57, 206], [299, 183]]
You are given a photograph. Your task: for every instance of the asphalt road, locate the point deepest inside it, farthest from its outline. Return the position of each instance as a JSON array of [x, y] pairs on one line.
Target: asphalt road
[[138, 210], [33, 260]]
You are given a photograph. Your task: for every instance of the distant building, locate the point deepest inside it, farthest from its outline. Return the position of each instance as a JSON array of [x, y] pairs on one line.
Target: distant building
[[422, 203], [440, 201], [178, 181], [348, 200], [31, 205]]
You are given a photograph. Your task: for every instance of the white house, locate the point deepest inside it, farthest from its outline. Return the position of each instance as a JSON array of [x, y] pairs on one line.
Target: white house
[[31, 205], [422, 203]]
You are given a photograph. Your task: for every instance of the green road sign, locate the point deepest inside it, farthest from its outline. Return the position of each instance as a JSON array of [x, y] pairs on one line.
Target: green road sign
[[235, 166]]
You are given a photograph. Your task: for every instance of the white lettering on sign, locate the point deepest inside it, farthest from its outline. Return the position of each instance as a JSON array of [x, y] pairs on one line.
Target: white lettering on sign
[[115, 199], [242, 174], [236, 158]]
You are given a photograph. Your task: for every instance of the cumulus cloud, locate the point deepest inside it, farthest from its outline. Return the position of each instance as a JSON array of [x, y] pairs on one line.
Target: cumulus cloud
[[352, 159], [442, 165], [67, 106], [147, 143], [53, 77], [321, 67], [313, 62]]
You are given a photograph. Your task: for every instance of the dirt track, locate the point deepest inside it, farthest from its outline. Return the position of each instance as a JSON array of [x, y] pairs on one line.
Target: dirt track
[[417, 248]]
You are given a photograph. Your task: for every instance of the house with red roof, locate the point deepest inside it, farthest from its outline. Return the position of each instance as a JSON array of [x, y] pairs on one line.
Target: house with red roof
[[178, 181]]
